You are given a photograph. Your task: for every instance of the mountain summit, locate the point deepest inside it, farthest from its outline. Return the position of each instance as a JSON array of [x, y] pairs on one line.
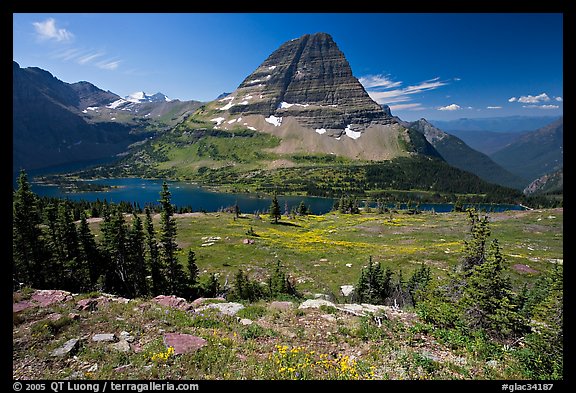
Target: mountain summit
[[310, 79], [305, 94]]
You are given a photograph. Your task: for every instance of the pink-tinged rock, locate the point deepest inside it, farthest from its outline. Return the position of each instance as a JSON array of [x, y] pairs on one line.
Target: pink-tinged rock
[[47, 297], [54, 316], [173, 301], [183, 343], [248, 241], [74, 316], [87, 305], [21, 306]]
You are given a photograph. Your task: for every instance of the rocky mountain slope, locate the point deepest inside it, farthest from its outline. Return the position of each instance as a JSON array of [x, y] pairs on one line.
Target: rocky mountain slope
[[536, 153], [57, 123], [460, 155], [305, 94]]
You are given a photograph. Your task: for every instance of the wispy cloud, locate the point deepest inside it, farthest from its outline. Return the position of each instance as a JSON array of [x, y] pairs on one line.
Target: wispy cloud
[[89, 57], [451, 107], [493, 107], [559, 99], [541, 106], [413, 107], [384, 90], [108, 64], [512, 99], [67, 54], [47, 30], [380, 81]]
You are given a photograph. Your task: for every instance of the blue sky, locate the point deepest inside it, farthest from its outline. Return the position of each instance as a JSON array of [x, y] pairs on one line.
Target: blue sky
[[432, 65]]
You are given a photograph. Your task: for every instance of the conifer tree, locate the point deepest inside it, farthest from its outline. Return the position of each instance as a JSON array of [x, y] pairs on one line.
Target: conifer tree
[[76, 274], [275, 213], [154, 261], [89, 252], [475, 247], [136, 258], [192, 274], [487, 299], [175, 277], [28, 248], [114, 244]]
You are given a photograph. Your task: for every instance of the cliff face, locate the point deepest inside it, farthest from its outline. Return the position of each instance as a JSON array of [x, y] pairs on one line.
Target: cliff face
[[309, 79]]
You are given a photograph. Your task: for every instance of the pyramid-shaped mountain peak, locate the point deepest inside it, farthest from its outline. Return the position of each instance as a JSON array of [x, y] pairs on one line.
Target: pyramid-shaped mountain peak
[[307, 78]]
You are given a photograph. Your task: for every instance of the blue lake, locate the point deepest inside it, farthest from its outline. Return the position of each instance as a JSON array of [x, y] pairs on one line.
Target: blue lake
[[147, 191]]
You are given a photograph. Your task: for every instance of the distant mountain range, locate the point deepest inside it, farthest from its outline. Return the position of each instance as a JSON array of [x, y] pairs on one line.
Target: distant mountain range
[[301, 108], [535, 153], [56, 122], [460, 155], [495, 124]]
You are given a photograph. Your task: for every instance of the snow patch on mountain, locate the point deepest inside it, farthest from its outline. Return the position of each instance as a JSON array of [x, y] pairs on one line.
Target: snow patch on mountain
[[275, 121]]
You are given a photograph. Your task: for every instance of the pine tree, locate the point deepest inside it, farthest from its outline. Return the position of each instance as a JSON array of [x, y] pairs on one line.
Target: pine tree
[[54, 277], [114, 245], [487, 299], [89, 252], [28, 248], [275, 213], [76, 274], [418, 283], [192, 274], [475, 247], [154, 261], [175, 277], [138, 270]]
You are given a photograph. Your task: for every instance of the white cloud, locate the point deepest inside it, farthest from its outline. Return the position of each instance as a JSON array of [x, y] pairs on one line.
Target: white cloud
[[541, 106], [378, 81], [47, 30], [108, 65], [451, 107], [493, 107], [534, 99], [89, 57], [378, 88], [559, 99], [411, 107], [512, 99]]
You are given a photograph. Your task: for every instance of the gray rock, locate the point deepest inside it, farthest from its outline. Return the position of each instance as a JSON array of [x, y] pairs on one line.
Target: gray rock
[[315, 303], [276, 305], [224, 308], [69, 348], [347, 289], [121, 346], [321, 296], [329, 317], [246, 321], [492, 363], [362, 309], [183, 343], [126, 336], [202, 300], [104, 337]]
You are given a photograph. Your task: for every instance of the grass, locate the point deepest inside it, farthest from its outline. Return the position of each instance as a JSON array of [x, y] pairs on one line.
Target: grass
[[296, 344]]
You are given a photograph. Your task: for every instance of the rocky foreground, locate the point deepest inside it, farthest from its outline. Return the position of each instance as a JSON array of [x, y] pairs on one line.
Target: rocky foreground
[[60, 335]]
